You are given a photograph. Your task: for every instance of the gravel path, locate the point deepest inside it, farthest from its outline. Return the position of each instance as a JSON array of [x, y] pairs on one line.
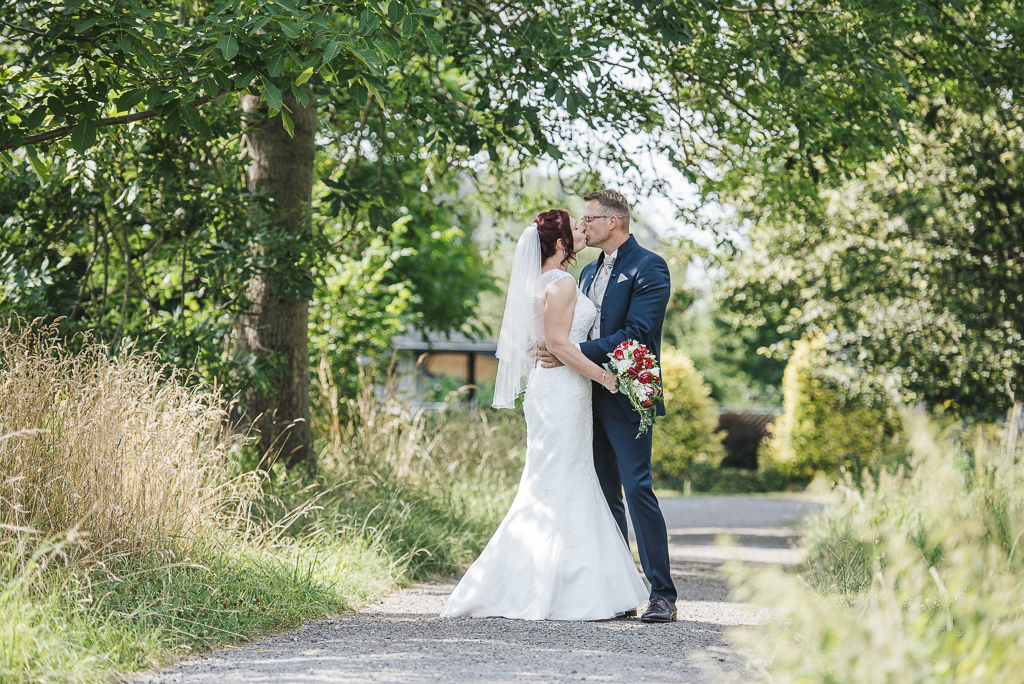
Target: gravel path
[[402, 640]]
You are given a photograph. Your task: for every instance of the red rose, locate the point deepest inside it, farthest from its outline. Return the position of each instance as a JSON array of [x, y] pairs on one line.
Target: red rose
[[648, 363], [632, 372], [647, 403], [618, 355], [638, 355], [645, 377]]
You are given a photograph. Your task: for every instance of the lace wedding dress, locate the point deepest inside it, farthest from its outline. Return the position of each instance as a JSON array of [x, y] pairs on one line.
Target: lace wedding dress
[[558, 554]]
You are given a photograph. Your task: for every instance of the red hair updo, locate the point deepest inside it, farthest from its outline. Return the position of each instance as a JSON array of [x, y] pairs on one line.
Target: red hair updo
[[552, 226]]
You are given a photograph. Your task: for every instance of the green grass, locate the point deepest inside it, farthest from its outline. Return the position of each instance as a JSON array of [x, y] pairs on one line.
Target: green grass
[[917, 576], [96, 621], [132, 533], [98, 618]]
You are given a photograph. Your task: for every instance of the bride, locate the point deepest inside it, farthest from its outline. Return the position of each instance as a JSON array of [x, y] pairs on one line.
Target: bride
[[558, 554]]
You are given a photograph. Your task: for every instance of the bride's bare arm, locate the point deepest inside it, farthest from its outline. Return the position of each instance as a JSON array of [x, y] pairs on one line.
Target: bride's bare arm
[[559, 307]]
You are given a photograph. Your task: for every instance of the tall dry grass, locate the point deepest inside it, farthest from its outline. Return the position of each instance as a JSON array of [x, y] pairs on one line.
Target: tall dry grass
[[120, 449], [417, 444], [126, 538], [380, 429], [170, 550], [429, 486]]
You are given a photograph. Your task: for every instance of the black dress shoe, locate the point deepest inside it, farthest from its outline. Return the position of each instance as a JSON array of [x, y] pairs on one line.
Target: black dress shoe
[[627, 614], [659, 610]]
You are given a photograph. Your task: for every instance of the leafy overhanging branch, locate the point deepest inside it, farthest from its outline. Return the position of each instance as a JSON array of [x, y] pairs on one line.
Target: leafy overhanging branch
[[65, 131]]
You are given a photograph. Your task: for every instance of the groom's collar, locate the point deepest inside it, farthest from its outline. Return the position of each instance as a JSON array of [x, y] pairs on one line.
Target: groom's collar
[[622, 251], [626, 247]]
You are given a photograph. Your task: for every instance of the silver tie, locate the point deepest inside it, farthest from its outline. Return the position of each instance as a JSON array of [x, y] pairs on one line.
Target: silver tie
[[597, 290]]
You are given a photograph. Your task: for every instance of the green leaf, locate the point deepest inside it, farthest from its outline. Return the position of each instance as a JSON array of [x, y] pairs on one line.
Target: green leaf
[[258, 25], [190, 115], [300, 95], [409, 25], [83, 136], [38, 165], [386, 48], [433, 39], [276, 64], [245, 80], [321, 20], [222, 80], [304, 76], [130, 100], [331, 51], [171, 120], [156, 95], [291, 28], [368, 56], [286, 121], [292, 9], [376, 94], [82, 26], [159, 29], [396, 12], [376, 216], [272, 95], [228, 46], [368, 22], [427, 12], [36, 118], [204, 129]]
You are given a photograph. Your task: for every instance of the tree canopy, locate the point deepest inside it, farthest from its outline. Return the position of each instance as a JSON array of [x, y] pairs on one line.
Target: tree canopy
[[126, 205]]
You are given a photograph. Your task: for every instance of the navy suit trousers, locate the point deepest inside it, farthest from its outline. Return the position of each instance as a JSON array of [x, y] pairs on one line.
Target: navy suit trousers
[[623, 462]]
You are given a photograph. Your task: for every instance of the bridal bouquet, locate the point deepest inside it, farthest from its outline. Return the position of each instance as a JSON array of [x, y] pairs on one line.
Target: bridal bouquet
[[639, 379]]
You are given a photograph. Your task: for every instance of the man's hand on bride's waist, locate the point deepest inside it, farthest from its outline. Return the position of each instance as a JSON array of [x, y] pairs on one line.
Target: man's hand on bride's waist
[[546, 359]]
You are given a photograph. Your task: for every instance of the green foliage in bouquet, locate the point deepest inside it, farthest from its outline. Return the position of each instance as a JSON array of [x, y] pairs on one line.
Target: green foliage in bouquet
[[823, 430], [686, 435]]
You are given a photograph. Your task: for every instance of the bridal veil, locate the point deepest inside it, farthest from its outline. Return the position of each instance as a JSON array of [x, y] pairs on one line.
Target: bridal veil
[[517, 346]]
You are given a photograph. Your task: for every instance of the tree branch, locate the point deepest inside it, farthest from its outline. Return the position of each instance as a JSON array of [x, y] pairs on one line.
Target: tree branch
[[23, 28], [65, 131]]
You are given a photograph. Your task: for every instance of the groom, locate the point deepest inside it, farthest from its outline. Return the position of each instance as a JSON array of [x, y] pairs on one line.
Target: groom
[[630, 287]]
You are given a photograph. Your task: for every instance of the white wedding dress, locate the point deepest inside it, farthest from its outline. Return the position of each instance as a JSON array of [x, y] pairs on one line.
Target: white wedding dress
[[558, 554]]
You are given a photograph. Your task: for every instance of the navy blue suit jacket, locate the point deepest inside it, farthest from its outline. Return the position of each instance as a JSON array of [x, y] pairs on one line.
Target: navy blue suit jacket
[[633, 308]]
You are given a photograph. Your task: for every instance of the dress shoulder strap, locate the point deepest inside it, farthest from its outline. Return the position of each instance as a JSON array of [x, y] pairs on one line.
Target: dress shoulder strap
[[548, 278]]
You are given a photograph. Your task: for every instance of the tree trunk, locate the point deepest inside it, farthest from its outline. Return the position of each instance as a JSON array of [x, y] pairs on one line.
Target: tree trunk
[[275, 326]]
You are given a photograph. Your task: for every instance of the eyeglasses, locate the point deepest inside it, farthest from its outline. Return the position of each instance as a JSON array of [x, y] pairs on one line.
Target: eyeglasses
[[590, 219]]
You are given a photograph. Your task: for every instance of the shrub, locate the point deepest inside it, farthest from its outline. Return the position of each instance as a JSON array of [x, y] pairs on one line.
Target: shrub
[[823, 430], [686, 435], [705, 478], [912, 578]]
